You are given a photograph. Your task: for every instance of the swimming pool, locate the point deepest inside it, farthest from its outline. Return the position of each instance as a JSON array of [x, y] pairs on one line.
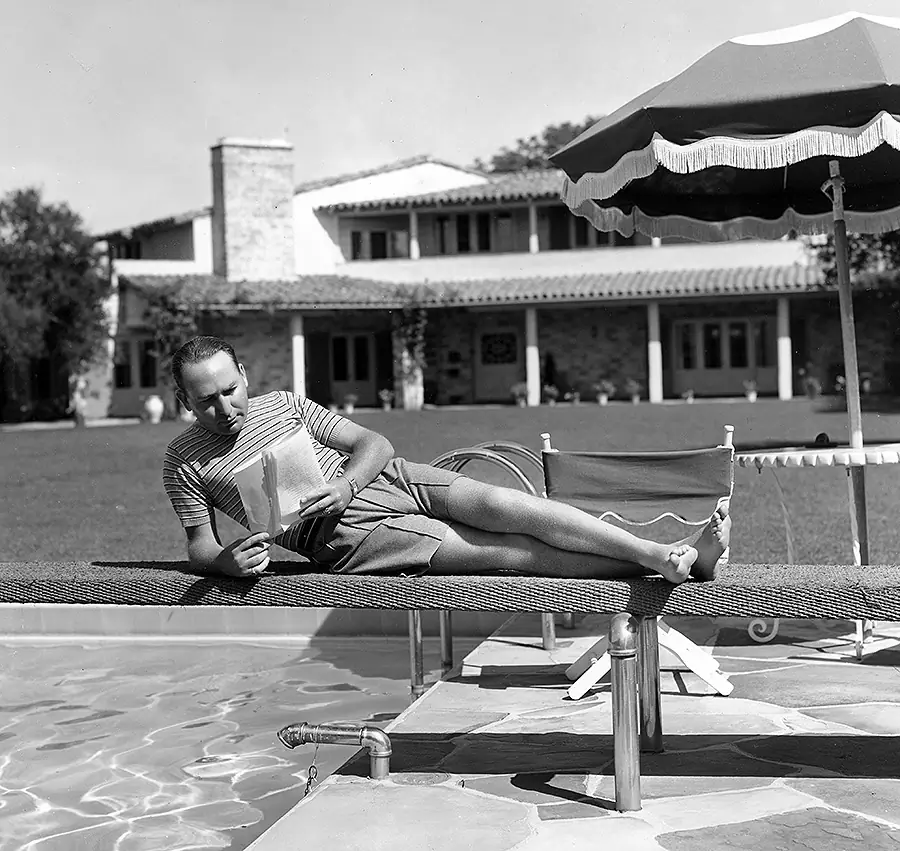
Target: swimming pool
[[142, 745]]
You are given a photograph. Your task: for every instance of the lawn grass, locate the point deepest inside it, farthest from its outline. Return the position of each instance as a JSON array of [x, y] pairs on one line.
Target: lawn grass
[[96, 493]]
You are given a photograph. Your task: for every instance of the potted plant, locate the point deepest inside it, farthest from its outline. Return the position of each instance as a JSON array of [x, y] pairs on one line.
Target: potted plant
[[688, 396], [154, 408], [350, 400], [519, 392], [551, 393], [387, 398], [811, 385], [633, 389], [750, 389], [573, 396], [604, 389]]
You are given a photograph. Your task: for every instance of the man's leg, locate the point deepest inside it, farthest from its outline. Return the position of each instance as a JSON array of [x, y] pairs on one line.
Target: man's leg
[[562, 528], [466, 550]]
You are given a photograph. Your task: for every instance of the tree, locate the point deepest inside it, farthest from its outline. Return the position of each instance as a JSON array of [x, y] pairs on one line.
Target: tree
[[875, 280], [535, 151], [52, 292]]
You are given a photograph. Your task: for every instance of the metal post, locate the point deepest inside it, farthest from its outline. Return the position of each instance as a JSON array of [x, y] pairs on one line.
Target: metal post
[[446, 628], [626, 749], [648, 677], [416, 655], [548, 632]]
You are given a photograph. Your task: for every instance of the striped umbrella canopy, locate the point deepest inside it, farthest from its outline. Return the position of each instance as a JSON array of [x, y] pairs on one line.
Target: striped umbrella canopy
[[794, 130], [739, 144]]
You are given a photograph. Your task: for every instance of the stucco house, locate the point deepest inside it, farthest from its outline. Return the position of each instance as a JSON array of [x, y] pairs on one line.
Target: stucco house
[[304, 280]]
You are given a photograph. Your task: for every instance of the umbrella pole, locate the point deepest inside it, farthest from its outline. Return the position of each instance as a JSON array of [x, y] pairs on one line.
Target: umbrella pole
[[859, 531]]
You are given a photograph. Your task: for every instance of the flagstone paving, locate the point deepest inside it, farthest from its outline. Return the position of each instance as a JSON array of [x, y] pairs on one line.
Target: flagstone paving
[[805, 753]]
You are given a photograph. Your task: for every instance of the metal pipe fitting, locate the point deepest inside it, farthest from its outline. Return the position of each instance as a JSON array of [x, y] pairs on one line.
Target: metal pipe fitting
[[374, 739]]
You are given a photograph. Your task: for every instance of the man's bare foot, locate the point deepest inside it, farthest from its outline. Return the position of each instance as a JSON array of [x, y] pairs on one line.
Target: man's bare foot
[[676, 566], [712, 546]]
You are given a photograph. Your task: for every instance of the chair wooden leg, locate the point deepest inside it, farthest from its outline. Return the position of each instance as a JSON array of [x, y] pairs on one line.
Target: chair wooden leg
[[626, 748], [648, 678]]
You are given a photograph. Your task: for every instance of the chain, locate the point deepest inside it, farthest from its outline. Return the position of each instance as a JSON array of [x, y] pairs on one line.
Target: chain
[[311, 774]]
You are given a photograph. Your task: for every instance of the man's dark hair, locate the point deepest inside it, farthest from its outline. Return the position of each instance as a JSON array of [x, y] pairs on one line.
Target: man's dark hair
[[198, 349]]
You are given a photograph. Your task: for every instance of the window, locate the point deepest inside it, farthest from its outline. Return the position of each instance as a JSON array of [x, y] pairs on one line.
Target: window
[[463, 243], [442, 228], [483, 226], [738, 348], [356, 251], [581, 232], [361, 358], [504, 232], [761, 343], [339, 359], [686, 358], [147, 363], [123, 364], [501, 347], [712, 345], [129, 249], [558, 220], [378, 244]]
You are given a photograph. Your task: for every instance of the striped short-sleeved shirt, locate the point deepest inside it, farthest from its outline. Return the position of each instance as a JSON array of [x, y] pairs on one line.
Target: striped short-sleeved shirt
[[199, 464]]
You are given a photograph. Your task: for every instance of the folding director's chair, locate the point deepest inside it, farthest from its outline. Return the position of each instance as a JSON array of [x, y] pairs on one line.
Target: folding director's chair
[[636, 490]]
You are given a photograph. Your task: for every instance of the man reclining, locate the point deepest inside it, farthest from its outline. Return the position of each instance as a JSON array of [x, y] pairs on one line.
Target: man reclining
[[379, 513]]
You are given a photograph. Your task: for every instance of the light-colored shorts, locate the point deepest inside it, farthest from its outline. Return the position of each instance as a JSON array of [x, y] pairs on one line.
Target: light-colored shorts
[[394, 525]]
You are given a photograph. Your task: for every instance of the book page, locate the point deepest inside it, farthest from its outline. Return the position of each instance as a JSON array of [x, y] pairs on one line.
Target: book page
[[296, 472], [256, 495]]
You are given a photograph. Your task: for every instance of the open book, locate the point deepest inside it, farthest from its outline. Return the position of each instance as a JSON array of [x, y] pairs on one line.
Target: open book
[[273, 483]]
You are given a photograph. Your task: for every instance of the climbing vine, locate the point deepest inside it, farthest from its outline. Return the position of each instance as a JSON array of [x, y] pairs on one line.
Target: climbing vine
[[173, 321]]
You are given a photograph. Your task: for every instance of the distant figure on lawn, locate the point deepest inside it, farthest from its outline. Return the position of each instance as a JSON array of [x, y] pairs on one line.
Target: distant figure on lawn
[[378, 513]]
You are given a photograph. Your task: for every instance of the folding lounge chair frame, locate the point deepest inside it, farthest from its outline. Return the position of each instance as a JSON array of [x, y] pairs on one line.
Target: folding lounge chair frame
[[639, 489]]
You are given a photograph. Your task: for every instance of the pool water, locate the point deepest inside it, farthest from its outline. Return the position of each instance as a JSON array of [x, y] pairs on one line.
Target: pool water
[[149, 745]]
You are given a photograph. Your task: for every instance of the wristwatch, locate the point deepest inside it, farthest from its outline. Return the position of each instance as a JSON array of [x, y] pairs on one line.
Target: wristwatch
[[354, 488]]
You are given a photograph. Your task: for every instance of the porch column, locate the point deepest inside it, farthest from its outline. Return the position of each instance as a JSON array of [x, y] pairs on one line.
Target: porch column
[[413, 235], [298, 354], [654, 354], [532, 357], [534, 243], [785, 355]]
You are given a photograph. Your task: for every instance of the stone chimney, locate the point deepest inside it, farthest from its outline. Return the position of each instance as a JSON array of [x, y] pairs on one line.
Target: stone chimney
[[253, 220]]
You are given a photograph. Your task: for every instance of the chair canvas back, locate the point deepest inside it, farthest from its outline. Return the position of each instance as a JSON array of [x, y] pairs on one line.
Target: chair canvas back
[[640, 488]]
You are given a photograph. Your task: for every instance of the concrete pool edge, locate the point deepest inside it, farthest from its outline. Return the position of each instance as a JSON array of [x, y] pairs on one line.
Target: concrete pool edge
[[97, 621]]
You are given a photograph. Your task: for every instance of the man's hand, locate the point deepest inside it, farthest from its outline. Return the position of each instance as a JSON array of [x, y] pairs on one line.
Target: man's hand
[[245, 556], [329, 500]]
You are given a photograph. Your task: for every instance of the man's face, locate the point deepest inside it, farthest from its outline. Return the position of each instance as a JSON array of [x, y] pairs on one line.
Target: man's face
[[215, 391]]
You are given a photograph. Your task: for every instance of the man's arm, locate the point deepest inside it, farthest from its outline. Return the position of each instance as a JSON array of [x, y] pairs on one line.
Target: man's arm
[[368, 454], [243, 557]]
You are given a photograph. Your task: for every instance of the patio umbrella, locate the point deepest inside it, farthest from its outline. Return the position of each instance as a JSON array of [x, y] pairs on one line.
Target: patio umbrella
[[794, 130]]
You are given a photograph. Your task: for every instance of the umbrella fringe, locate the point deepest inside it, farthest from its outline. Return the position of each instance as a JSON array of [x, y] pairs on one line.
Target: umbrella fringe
[[823, 141], [745, 227]]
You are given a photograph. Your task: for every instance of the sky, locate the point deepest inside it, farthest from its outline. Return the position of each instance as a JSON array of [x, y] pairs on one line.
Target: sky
[[111, 106]]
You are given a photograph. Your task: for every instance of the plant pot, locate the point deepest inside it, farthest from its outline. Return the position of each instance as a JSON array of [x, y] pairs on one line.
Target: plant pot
[[551, 401], [385, 406], [349, 408], [521, 402], [154, 407], [751, 395], [636, 399], [603, 398]]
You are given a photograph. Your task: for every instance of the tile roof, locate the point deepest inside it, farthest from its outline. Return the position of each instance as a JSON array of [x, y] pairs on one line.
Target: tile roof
[[321, 292], [157, 224], [324, 292], [399, 165], [514, 186]]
